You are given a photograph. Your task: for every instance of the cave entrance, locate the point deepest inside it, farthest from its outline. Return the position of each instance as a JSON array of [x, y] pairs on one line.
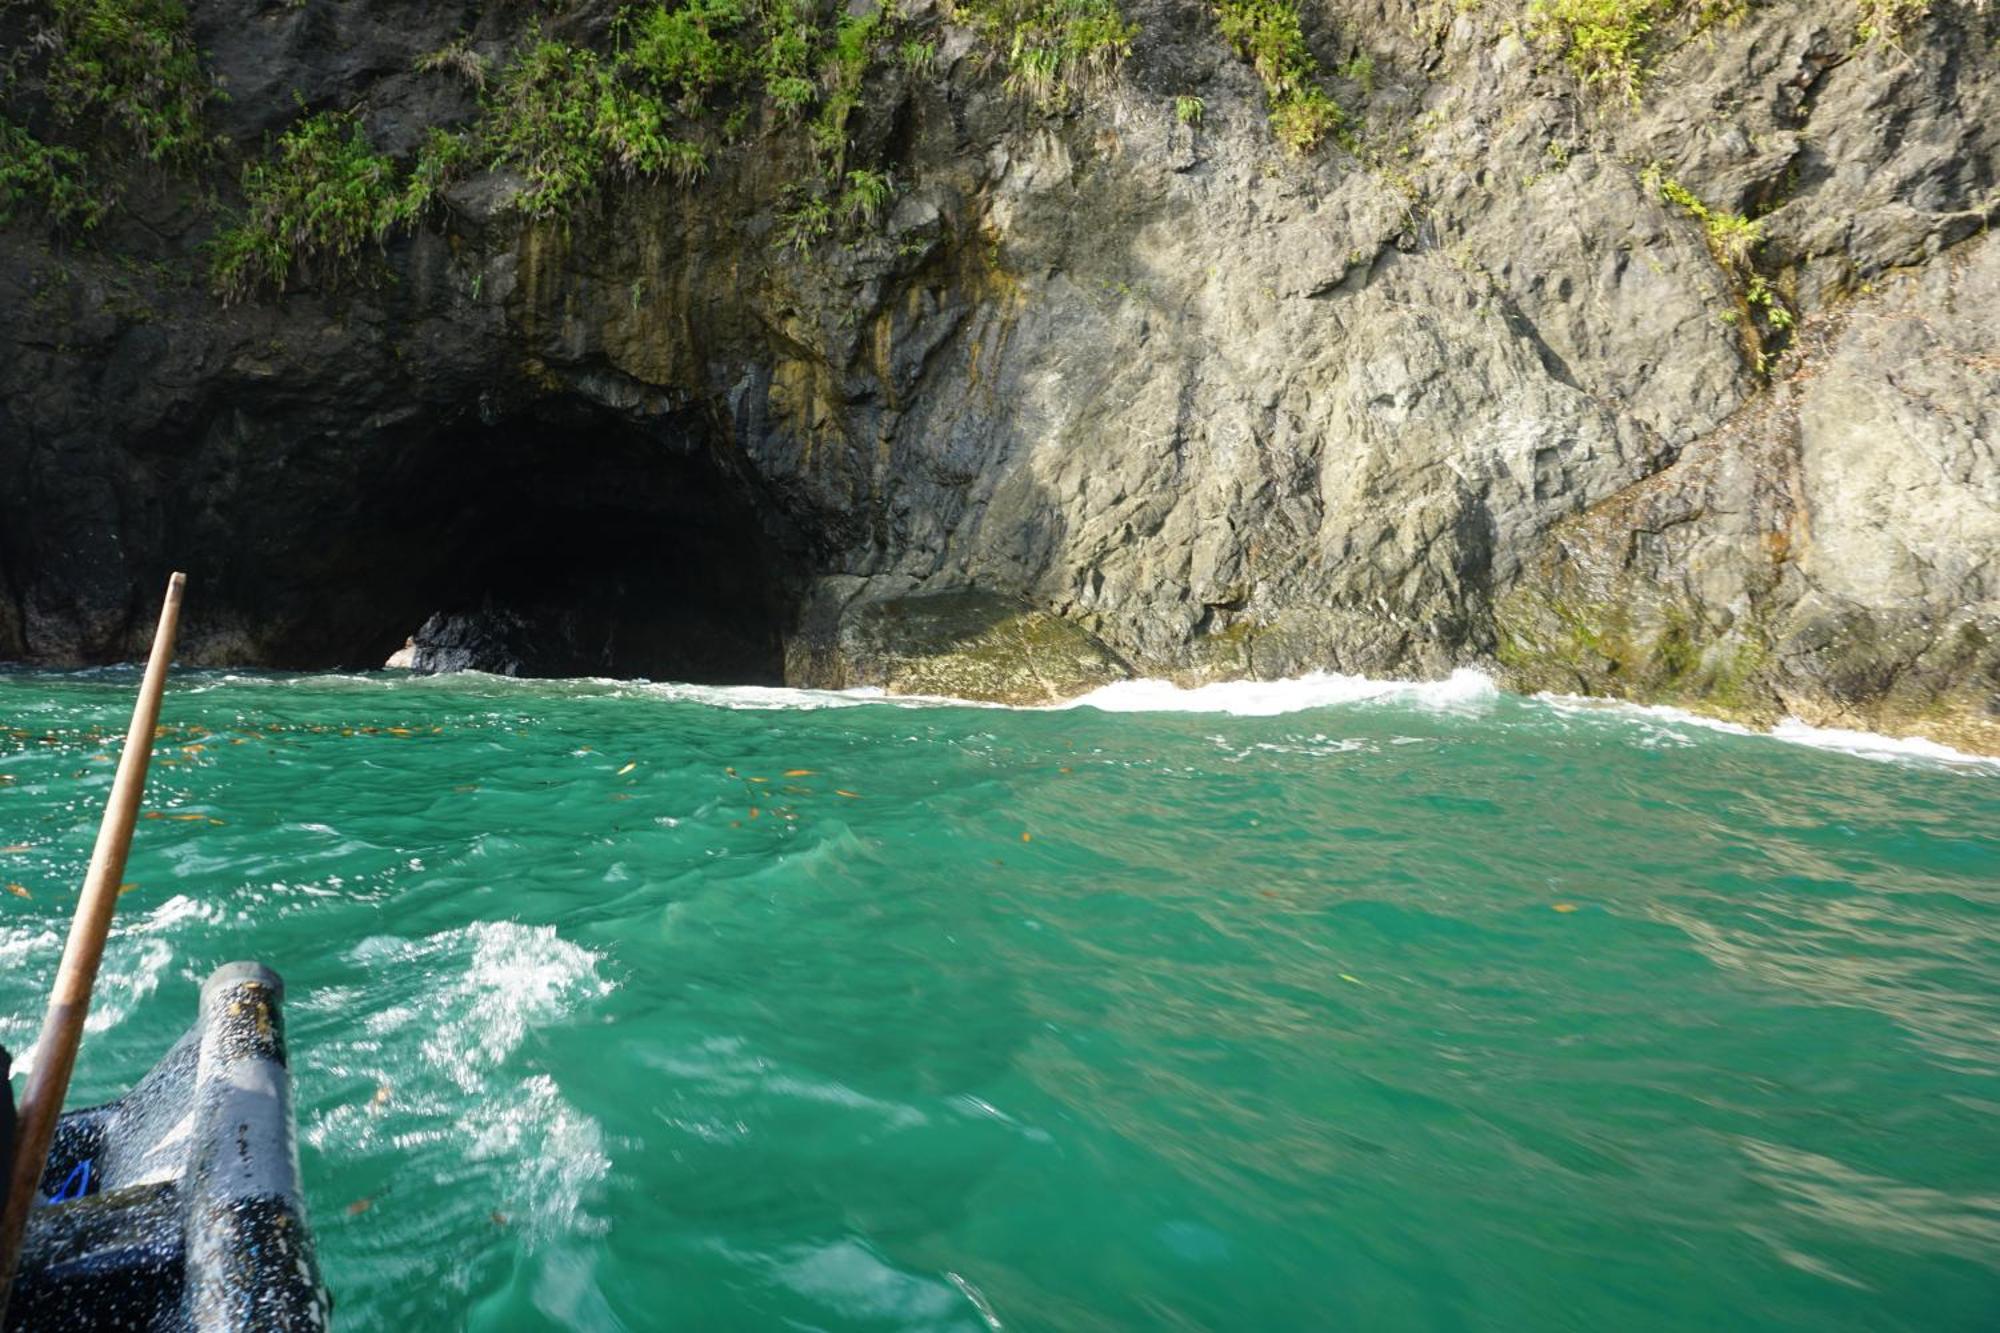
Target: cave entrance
[[577, 543]]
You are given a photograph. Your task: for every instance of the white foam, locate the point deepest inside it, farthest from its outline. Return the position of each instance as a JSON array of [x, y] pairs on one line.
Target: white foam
[[131, 971], [23, 948], [1621, 710], [175, 911], [136, 956], [555, 1154], [1870, 745], [1463, 690], [1863, 744], [752, 698], [518, 977], [440, 1064], [762, 698], [20, 945]]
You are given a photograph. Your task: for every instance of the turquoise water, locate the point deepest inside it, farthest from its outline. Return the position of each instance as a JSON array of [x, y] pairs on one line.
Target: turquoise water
[[630, 1007]]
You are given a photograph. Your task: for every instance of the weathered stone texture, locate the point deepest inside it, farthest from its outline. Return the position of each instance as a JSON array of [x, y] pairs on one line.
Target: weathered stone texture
[[1478, 395]]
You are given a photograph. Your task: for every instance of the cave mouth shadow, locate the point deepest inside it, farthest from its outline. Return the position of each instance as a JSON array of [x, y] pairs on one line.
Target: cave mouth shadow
[[611, 548]]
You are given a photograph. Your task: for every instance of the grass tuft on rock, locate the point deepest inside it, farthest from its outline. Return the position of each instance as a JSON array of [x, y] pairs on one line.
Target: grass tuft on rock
[[1733, 240], [46, 178], [1054, 49], [1269, 34], [98, 82], [687, 51], [1610, 45], [130, 66], [324, 196], [1888, 21]]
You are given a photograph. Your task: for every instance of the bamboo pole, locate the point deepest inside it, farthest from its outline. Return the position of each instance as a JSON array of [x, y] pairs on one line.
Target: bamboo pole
[[69, 1001]]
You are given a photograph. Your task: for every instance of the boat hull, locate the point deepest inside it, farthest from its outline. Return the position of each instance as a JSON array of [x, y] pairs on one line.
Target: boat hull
[[178, 1206]]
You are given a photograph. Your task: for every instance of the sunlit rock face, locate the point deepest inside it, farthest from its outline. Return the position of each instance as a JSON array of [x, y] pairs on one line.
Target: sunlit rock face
[[1477, 392]]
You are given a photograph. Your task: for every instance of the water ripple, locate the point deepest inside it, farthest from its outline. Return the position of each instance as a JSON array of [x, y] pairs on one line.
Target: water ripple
[[617, 1005]]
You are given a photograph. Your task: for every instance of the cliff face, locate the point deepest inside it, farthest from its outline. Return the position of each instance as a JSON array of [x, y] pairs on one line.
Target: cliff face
[[1125, 389]]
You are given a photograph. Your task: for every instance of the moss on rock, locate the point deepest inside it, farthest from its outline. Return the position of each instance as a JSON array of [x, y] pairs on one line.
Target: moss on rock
[[973, 645], [1628, 647]]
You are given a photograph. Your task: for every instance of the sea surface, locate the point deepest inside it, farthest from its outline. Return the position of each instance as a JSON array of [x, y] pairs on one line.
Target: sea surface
[[1326, 1005]]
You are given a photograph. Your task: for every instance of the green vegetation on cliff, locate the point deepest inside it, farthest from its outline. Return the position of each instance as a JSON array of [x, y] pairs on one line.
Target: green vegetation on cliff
[[1611, 44], [685, 51], [324, 195], [1733, 240], [116, 77], [49, 178], [566, 121], [676, 83], [130, 66], [541, 119], [1053, 48], [679, 81], [1886, 20], [1269, 35], [854, 41]]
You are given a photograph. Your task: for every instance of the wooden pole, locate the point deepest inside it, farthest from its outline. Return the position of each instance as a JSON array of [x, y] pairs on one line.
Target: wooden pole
[[69, 1001]]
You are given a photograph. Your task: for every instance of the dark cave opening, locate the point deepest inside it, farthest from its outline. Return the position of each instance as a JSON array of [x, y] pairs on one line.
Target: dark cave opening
[[581, 543]]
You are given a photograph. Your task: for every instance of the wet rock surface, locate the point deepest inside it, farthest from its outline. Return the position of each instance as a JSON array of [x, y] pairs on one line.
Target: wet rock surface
[[504, 643], [1474, 393], [967, 645]]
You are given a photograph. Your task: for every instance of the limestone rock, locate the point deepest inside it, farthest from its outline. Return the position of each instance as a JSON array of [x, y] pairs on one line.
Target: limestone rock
[[1103, 393], [964, 645]]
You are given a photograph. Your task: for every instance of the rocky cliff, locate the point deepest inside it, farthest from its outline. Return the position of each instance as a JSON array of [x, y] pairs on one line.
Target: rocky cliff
[[1675, 381]]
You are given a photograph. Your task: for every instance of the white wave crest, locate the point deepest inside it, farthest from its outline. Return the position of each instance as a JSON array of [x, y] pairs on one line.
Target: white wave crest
[[130, 972], [1870, 745], [1622, 710], [1862, 744], [558, 1153], [763, 698], [175, 912], [136, 956], [437, 1062], [517, 977], [1463, 690]]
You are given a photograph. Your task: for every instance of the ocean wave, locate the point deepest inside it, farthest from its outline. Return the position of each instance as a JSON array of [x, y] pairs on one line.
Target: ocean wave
[[136, 957], [131, 971], [760, 698], [1663, 720], [1872, 745], [511, 978], [22, 948], [444, 1100], [1624, 710], [1466, 688], [1463, 690], [552, 1155]]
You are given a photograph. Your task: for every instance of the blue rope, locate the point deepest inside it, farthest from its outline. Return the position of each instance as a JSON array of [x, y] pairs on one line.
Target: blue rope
[[79, 1176]]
